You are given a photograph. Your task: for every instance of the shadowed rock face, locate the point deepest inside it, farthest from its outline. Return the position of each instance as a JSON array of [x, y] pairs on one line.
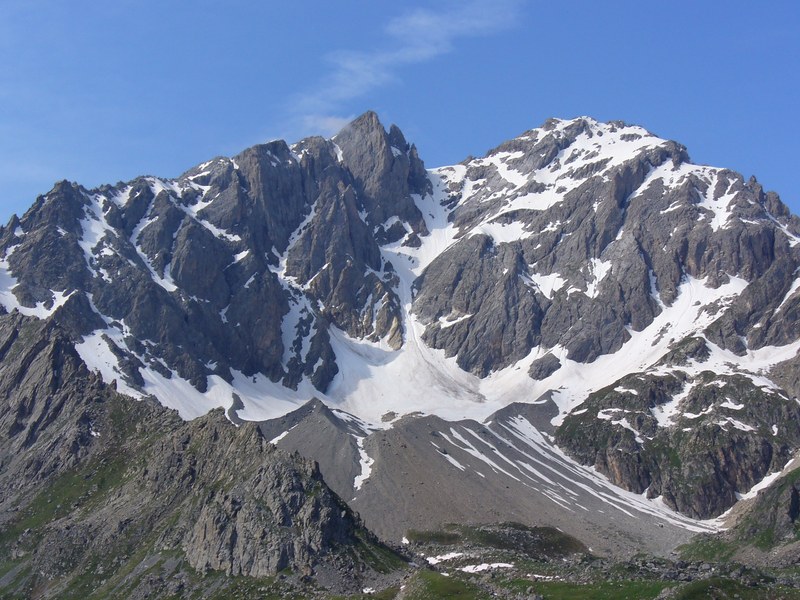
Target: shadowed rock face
[[97, 486]]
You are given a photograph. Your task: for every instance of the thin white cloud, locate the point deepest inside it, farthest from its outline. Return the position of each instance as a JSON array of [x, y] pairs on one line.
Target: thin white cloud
[[325, 124], [415, 37]]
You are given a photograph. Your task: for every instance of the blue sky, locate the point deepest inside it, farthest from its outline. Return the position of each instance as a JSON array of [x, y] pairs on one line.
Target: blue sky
[[101, 92]]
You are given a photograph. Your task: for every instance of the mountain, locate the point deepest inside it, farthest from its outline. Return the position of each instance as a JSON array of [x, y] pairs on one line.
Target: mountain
[[583, 305]]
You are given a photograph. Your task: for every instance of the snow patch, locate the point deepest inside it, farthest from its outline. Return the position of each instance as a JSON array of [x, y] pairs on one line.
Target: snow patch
[[730, 404], [365, 463], [274, 441], [450, 320], [598, 270], [10, 301], [548, 285], [720, 206], [736, 423], [486, 567], [435, 560]]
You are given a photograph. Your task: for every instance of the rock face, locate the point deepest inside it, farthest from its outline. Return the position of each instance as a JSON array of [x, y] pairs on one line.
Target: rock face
[[48, 408], [98, 489], [763, 530], [774, 517], [653, 303], [710, 449], [650, 295]]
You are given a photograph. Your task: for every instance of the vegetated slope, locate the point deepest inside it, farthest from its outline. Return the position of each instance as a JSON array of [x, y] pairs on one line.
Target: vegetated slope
[[765, 527], [106, 497], [590, 265]]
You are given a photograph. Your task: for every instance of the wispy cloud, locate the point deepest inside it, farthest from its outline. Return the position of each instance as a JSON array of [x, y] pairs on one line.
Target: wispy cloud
[[412, 38]]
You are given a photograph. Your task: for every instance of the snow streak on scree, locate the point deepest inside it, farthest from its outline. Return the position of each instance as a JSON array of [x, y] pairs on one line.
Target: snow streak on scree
[[513, 448]]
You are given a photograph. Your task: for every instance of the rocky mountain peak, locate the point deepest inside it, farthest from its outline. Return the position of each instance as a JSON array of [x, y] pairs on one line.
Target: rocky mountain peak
[[387, 172]]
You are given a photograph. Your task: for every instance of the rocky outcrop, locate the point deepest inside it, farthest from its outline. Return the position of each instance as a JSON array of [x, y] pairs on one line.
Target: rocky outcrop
[[387, 172], [697, 453], [479, 306], [773, 519], [763, 530], [48, 407], [259, 512]]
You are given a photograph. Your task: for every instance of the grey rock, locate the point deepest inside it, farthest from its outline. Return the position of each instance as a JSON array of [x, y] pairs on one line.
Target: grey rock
[[477, 305], [243, 265], [699, 463], [545, 366], [386, 171]]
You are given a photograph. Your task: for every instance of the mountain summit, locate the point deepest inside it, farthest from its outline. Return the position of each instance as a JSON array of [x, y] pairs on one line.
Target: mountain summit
[[651, 305]]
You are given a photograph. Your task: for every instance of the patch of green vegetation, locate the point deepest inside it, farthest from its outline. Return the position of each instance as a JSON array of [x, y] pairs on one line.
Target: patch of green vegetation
[[377, 556], [17, 582], [443, 538], [515, 537], [6, 566], [765, 539], [708, 547], [546, 541], [673, 458], [664, 453], [246, 587], [430, 585], [314, 490], [609, 590], [758, 527], [103, 576], [86, 583], [387, 594], [719, 588], [81, 488]]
